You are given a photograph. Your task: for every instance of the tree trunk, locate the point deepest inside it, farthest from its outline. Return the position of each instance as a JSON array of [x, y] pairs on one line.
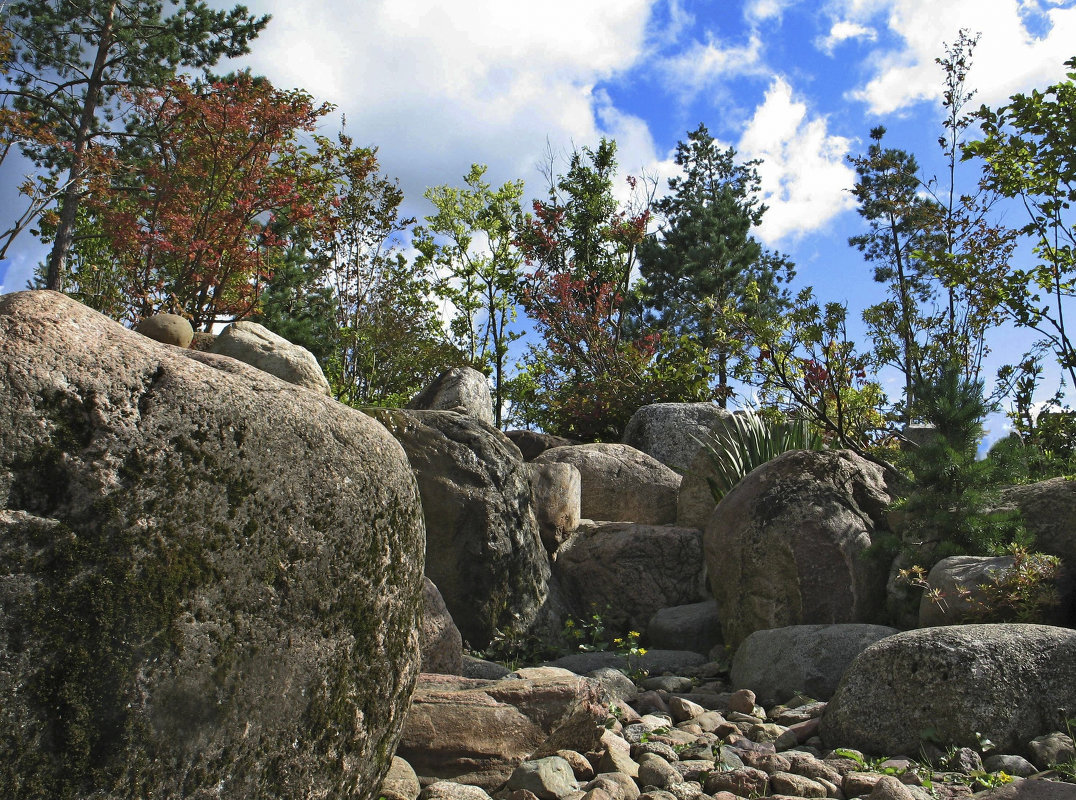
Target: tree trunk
[[72, 196]]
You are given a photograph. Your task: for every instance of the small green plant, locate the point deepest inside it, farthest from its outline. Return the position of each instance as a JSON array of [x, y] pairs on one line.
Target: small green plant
[[588, 635], [628, 646], [1067, 769], [1023, 592], [749, 440]]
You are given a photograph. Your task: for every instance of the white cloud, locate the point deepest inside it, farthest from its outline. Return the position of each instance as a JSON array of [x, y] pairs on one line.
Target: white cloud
[[762, 10], [842, 31], [1024, 44], [701, 66], [804, 177], [438, 85]]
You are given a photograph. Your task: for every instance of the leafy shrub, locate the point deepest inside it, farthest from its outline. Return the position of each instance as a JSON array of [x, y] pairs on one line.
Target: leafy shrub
[[748, 441]]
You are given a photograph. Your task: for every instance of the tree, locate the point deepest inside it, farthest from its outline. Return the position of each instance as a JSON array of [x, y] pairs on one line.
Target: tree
[[970, 252], [887, 188], [591, 374], [389, 342], [705, 256], [72, 59], [191, 222], [805, 365], [480, 267], [1029, 148]]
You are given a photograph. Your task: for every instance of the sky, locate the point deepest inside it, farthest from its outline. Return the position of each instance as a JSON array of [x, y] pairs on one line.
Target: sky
[[799, 84]]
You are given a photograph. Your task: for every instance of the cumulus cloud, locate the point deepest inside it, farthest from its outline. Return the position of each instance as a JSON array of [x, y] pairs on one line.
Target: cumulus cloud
[[803, 172], [1024, 44], [843, 31], [439, 85]]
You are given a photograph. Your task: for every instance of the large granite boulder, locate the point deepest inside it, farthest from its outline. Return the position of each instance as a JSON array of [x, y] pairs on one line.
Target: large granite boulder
[[1009, 683], [787, 546], [478, 731], [258, 346], [627, 572], [209, 579], [670, 432], [620, 483], [483, 549], [779, 663], [694, 500], [461, 389]]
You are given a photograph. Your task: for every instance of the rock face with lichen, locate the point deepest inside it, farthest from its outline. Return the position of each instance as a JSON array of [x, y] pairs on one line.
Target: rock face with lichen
[[209, 580]]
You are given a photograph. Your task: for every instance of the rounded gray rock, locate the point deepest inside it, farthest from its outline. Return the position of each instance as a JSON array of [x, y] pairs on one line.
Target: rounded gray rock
[[258, 346], [779, 663], [461, 389], [1006, 682]]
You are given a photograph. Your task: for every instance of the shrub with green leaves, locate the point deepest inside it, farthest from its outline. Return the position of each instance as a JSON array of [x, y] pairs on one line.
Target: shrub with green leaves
[[748, 440]]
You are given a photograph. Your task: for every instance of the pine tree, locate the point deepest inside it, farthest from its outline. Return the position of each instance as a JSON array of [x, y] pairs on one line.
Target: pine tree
[[706, 256]]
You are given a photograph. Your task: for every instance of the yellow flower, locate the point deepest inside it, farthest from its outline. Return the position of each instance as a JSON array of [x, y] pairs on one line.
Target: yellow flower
[[634, 634]]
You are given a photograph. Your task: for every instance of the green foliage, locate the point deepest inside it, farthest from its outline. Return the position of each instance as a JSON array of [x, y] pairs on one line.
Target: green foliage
[[1023, 592], [388, 341], [748, 440], [470, 242], [1029, 148], [806, 366], [592, 372], [887, 189], [704, 256], [947, 512]]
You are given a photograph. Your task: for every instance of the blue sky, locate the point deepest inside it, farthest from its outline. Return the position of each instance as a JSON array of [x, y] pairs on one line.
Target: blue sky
[[438, 85]]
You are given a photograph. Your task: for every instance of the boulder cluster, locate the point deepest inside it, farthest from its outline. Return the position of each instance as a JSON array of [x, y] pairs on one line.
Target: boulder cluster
[[216, 581]]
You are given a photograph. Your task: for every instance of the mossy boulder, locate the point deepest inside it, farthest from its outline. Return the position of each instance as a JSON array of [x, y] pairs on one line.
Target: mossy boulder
[[788, 544], [210, 580]]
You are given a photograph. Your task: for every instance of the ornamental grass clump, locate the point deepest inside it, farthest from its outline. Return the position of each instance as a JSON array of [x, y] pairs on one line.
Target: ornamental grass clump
[[749, 440]]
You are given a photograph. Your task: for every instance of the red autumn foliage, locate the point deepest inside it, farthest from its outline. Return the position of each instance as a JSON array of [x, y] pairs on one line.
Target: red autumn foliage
[[193, 224]]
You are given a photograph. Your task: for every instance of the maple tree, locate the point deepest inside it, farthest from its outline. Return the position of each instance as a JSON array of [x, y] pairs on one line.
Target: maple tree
[[595, 368], [74, 62], [191, 223]]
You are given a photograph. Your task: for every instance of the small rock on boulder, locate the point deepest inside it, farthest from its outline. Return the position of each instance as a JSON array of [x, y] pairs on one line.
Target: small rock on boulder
[[787, 545], [461, 389], [1005, 682], [627, 573], [258, 346], [782, 662], [168, 329], [670, 432], [620, 483]]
